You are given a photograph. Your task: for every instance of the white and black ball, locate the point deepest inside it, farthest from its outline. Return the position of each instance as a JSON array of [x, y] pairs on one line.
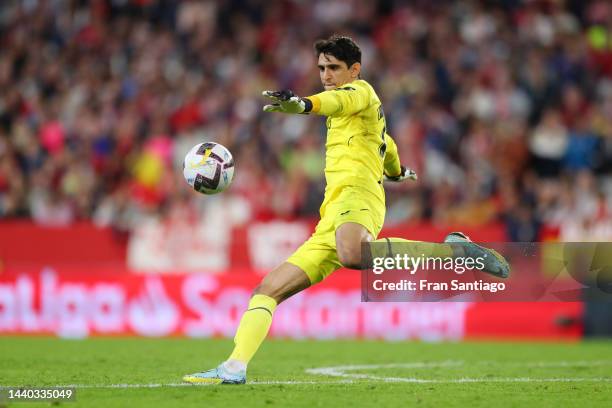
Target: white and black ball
[[208, 168]]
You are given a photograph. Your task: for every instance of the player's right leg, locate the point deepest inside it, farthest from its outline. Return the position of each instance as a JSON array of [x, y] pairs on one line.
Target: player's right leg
[[455, 245], [278, 285], [358, 214]]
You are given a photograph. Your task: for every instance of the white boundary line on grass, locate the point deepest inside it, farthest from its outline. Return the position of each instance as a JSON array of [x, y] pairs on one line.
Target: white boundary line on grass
[[356, 376], [341, 371], [345, 377]]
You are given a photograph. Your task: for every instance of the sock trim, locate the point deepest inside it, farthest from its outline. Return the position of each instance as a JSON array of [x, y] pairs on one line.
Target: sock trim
[[260, 307]]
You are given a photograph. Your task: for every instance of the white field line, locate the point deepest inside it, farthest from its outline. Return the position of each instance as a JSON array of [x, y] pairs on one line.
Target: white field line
[[364, 378], [342, 372], [345, 377]]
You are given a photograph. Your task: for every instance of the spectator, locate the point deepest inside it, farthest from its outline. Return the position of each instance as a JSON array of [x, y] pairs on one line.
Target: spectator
[[100, 100]]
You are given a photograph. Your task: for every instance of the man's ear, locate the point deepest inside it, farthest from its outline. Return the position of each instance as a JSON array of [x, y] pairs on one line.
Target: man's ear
[[355, 70]]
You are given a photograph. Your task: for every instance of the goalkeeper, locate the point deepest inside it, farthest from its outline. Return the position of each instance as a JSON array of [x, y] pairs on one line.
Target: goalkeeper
[[359, 156]]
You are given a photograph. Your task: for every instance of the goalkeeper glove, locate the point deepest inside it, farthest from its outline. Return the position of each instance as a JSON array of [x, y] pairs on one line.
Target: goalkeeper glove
[[406, 174], [287, 102]]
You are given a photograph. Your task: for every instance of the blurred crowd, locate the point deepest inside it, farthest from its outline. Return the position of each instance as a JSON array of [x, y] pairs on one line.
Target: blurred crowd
[[503, 107]]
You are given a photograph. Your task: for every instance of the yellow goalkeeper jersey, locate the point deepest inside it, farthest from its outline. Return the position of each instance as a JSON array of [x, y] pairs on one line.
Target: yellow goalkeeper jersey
[[358, 148]]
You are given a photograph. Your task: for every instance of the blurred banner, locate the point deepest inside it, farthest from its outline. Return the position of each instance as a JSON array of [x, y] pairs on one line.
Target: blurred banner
[[76, 302], [23, 243], [164, 246], [167, 279]]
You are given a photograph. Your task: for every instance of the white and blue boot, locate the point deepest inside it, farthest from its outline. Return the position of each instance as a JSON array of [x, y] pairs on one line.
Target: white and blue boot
[[219, 375], [494, 263]]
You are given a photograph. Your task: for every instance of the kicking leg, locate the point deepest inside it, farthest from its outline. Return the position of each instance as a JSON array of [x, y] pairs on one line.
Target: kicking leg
[[350, 236], [455, 245]]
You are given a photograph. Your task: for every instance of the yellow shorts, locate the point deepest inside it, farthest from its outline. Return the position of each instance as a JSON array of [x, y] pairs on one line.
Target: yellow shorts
[[317, 256]]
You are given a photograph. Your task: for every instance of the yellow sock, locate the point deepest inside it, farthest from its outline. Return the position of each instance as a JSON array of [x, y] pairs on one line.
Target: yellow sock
[[253, 328], [416, 248]]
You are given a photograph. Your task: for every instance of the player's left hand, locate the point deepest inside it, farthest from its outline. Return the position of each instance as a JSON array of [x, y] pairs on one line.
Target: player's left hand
[[285, 101], [406, 174]]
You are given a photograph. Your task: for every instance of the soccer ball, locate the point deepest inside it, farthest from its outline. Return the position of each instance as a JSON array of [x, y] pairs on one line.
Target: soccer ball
[[208, 168]]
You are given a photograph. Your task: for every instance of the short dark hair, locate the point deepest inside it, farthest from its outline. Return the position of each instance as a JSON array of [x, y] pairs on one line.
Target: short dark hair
[[341, 47]]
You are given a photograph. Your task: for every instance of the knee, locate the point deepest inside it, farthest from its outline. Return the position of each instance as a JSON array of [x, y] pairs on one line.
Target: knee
[[349, 256], [349, 238], [268, 289]]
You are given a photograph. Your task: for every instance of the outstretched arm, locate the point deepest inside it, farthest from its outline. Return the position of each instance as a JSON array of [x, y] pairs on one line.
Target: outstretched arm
[[342, 101]]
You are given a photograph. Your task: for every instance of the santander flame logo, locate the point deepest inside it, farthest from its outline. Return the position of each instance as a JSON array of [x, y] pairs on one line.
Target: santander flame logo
[[152, 313]]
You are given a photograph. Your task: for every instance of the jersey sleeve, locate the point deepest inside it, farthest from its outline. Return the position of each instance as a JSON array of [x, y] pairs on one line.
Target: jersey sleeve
[[392, 160], [344, 101]]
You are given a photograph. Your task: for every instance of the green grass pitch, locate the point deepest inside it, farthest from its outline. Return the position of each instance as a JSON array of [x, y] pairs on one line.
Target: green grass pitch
[[135, 372]]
